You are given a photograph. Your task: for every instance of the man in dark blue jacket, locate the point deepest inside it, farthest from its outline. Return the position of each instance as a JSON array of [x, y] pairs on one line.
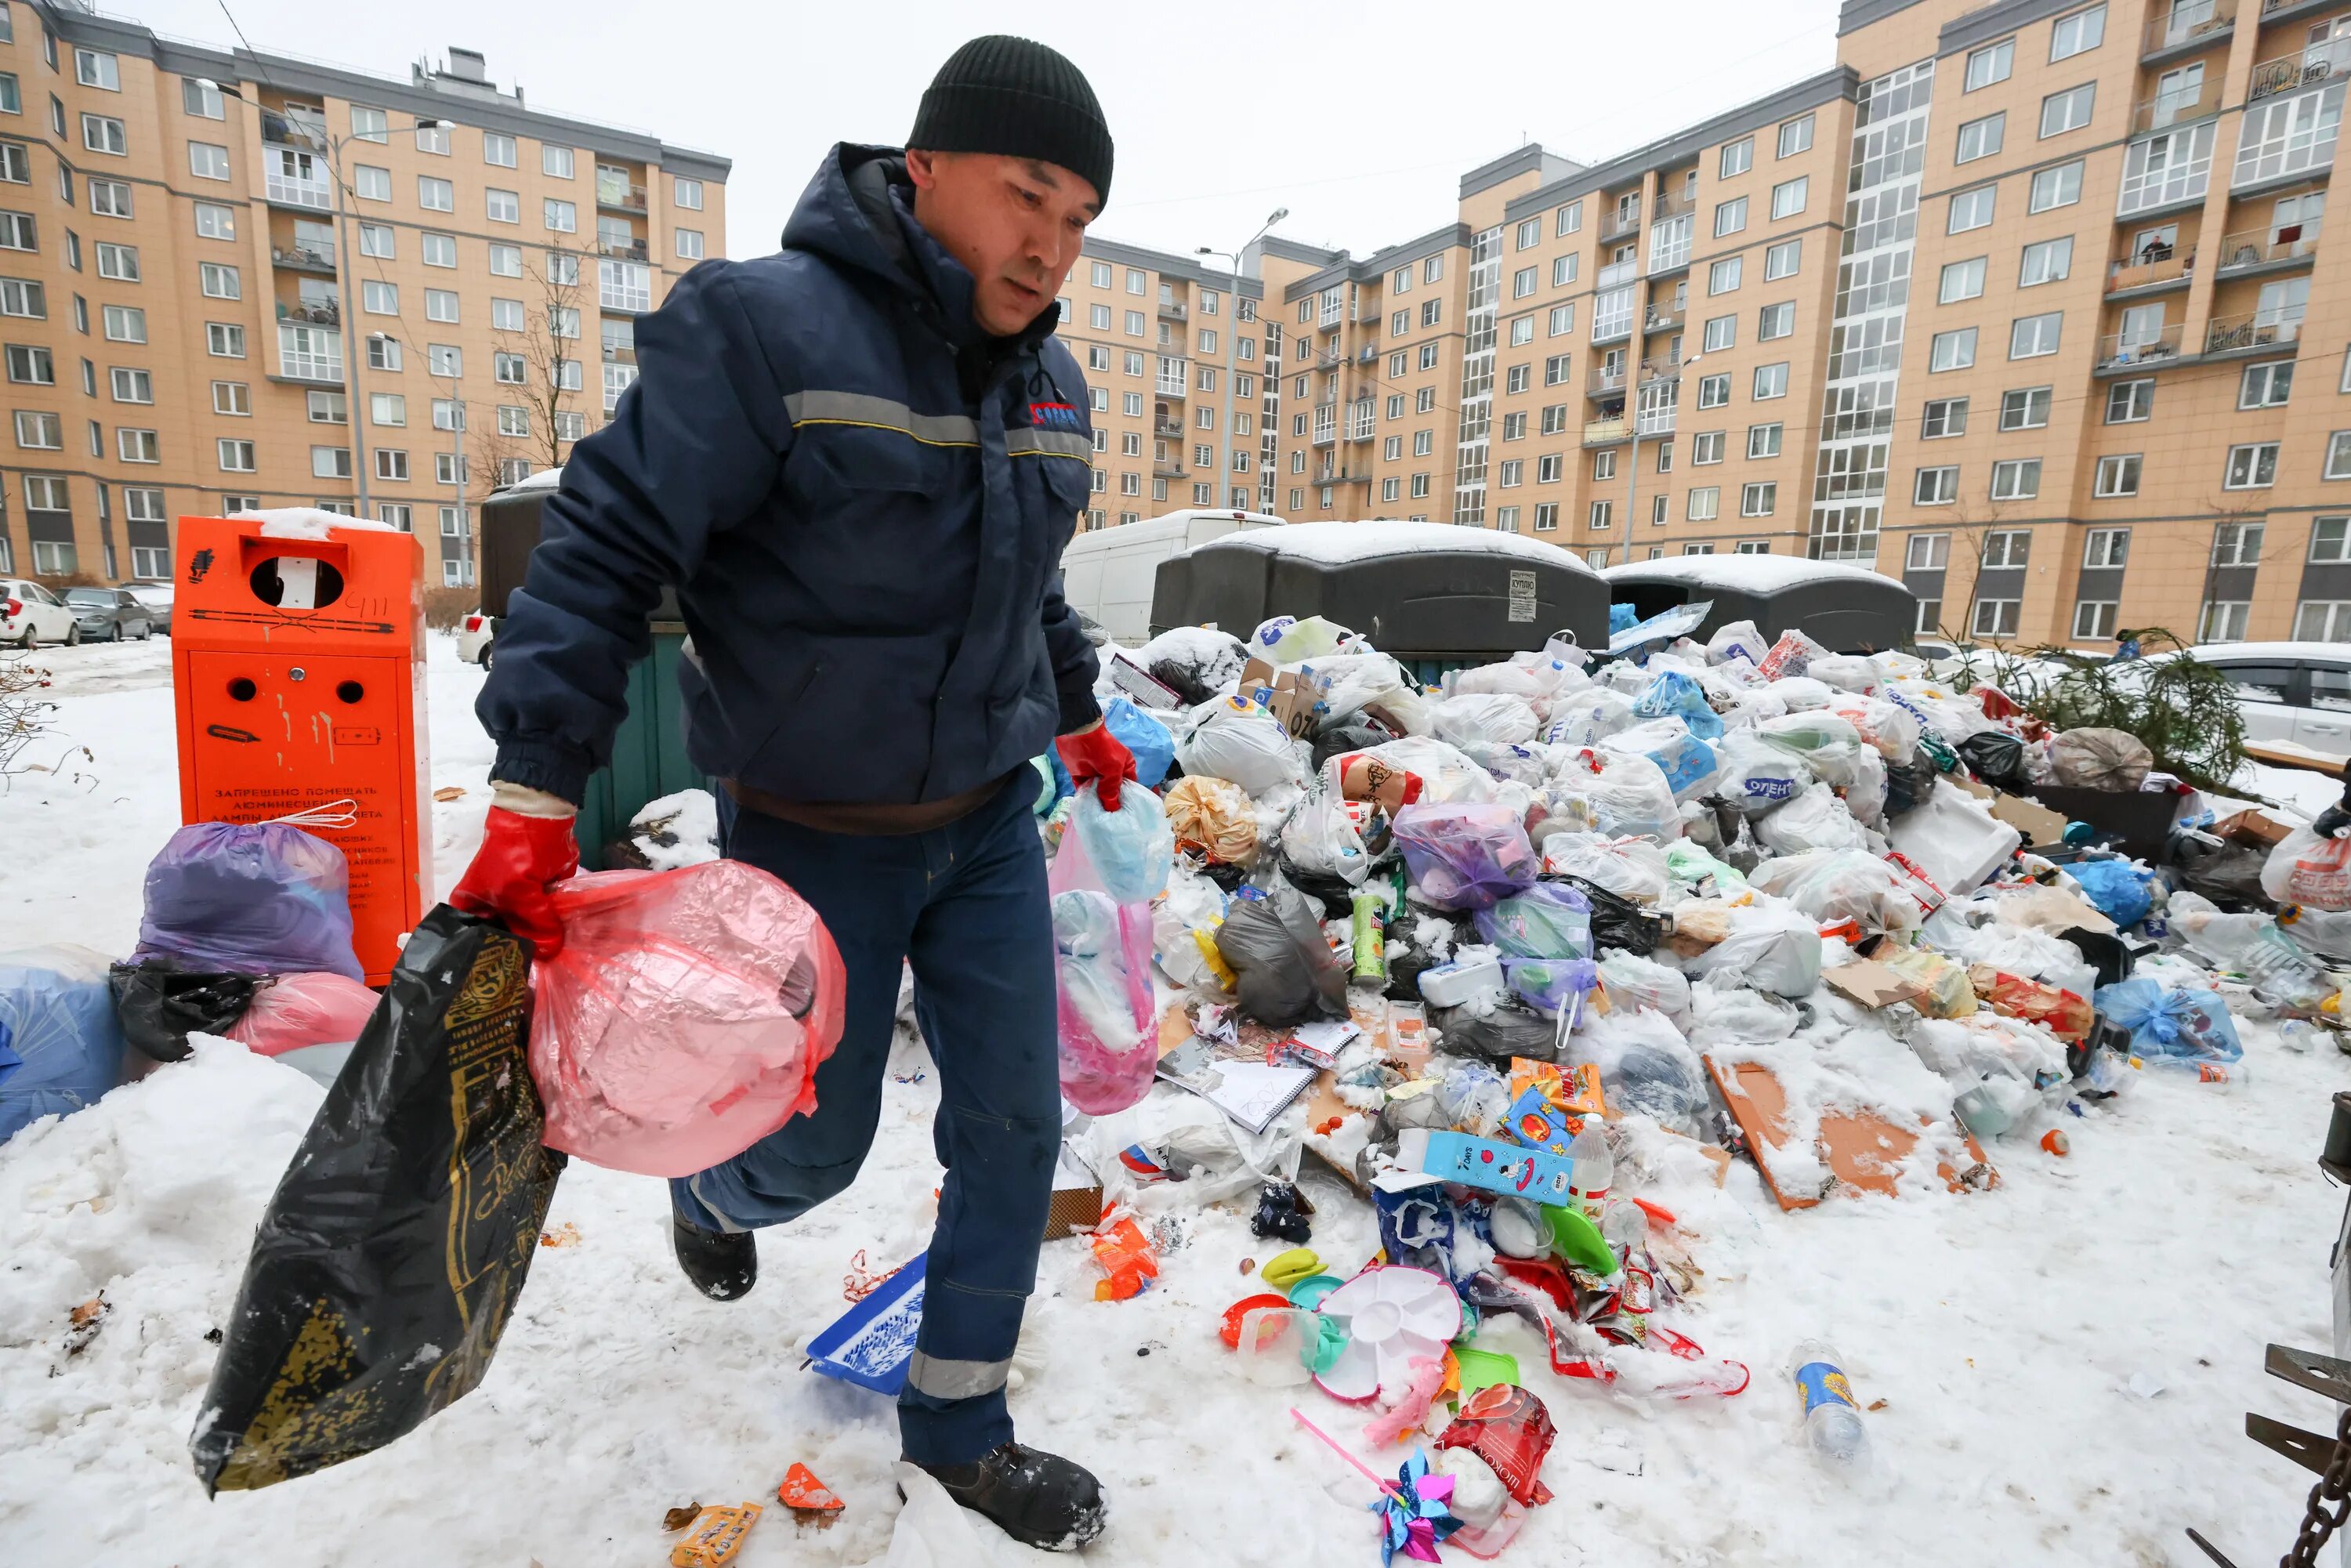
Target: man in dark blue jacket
[[858, 461]]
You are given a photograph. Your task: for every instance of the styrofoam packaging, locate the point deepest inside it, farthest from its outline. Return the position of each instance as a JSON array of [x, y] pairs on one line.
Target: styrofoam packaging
[[1455, 983]]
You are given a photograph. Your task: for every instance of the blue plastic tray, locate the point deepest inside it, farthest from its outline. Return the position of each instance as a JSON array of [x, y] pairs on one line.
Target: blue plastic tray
[[870, 1344]]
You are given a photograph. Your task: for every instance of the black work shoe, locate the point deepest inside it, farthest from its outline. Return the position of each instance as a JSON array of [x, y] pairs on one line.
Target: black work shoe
[[1040, 1499], [723, 1265]]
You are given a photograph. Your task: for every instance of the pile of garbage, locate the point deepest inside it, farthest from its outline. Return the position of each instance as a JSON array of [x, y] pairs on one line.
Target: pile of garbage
[[1504, 952]]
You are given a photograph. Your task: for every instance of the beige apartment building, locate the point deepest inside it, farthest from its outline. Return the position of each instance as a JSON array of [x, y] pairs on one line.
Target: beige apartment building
[[2027, 304], [231, 280]]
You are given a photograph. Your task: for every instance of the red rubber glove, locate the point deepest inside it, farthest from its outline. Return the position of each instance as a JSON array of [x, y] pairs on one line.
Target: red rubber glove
[[1095, 755], [519, 859]]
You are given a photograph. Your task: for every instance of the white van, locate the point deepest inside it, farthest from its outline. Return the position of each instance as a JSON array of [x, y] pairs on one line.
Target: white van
[[1108, 574]]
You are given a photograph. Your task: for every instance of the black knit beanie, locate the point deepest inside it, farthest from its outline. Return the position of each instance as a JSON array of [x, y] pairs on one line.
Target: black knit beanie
[[1010, 96]]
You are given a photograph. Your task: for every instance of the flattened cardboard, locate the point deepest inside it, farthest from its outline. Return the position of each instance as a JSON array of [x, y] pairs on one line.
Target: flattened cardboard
[[1077, 1201], [1861, 1148], [1871, 984], [2037, 822], [1280, 694]]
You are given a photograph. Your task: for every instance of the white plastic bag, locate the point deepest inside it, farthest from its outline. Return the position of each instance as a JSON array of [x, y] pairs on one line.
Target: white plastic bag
[[1234, 739], [1325, 835], [1801, 693], [1733, 1015], [1633, 981], [1889, 726], [1814, 820], [1738, 639], [1645, 1067], [1626, 792], [1448, 776], [1633, 867], [1772, 946], [1757, 776], [1285, 639], [1847, 671], [1482, 719], [1588, 716], [1956, 843], [1687, 762], [2308, 870], [1832, 886]]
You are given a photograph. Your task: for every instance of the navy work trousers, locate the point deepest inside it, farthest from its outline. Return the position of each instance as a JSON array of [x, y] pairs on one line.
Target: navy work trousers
[[967, 905]]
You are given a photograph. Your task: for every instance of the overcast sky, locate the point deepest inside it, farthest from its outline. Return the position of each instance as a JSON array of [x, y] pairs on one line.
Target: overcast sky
[[1358, 117]]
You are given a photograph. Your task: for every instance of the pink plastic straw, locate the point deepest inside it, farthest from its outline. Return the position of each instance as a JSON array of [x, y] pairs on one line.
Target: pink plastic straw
[[1369, 1475]]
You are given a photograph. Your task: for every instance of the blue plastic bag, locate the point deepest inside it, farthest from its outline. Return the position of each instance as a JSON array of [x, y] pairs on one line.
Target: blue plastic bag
[[1132, 848], [1152, 747], [2119, 891], [264, 898], [1675, 694], [57, 1018], [1621, 618], [2188, 1022]]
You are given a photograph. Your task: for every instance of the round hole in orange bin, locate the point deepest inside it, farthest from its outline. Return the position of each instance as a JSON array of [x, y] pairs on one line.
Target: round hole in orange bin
[[242, 689], [350, 691], [268, 581]]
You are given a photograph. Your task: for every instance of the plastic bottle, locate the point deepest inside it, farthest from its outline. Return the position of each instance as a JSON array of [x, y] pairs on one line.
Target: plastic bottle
[[1833, 1426], [1595, 1167]]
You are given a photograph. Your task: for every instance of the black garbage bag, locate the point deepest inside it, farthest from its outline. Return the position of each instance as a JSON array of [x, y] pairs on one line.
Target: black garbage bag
[[1331, 893], [1183, 679], [1616, 921], [1285, 971], [1350, 734], [389, 1258], [1995, 757], [2229, 874], [1909, 784], [1511, 1027], [158, 1004]]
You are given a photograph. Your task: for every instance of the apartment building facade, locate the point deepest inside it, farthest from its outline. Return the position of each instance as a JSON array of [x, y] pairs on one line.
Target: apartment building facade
[[2027, 304], [232, 280]]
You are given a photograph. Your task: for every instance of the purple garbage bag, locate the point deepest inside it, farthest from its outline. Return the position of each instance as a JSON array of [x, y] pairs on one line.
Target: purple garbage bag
[[264, 898], [1466, 855]]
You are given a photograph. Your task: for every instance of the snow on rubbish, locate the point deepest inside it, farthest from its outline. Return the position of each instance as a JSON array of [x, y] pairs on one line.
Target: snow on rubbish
[[2005, 1341], [1337, 543], [1747, 573]]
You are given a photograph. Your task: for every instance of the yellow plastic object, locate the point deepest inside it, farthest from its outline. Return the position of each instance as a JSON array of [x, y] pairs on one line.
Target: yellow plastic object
[[1204, 938], [1285, 1269], [716, 1537]]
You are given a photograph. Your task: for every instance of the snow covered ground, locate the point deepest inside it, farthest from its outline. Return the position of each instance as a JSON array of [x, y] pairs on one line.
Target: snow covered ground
[[2065, 1361]]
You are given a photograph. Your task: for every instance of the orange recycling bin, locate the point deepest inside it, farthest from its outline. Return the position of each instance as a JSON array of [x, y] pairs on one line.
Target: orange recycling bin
[[297, 670]]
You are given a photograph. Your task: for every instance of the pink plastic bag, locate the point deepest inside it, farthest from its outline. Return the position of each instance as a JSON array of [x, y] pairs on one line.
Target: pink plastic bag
[[1105, 1005], [685, 1017], [293, 1011]]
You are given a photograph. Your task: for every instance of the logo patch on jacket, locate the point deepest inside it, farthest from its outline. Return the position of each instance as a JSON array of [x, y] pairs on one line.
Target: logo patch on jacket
[[1055, 416]]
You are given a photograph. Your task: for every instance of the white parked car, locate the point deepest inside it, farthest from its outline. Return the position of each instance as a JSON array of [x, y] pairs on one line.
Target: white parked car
[[2298, 692], [474, 634], [31, 615]]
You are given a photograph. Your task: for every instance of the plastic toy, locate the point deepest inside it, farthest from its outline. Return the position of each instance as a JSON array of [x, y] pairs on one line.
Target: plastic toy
[[1286, 1269], [1393, 1316]]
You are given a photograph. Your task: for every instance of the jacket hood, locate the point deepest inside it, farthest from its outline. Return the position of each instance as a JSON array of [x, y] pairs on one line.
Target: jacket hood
[[858, 213]]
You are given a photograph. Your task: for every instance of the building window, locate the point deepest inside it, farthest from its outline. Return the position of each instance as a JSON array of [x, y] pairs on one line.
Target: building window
[[2107, 547], [687, 243], [2079, 33], [2330, 542], [1789, 197], [1512, 474], [1723, 276], [2118, 476], [560, 217], [1935, 486], [111, 199], [2093, 620], [33, 366], [2024, 409], [2067, 111], [2128, 402], [1603, 465], [2016, 479], [1971, 209], [1758, 500], [104, 133], [1736, 158], [1568, 219], [2045, 262], [1722, 333], [687, 193], [1705, 503], [119, 262], [1961, 280], [1562, 319], [1927, 552], [39, 431], [1987, 66], [1996, 617], [1601, 515], [2251, 467], [1714, 391], [219, 281], [1730, 217], [2338, 455], [207, 161], [2222, 620], [1981, 137], [1796, 136], [128, 384], [2030, 336], [502, 206], [435, 195], [327, 407], [232, 397], [1706, 448], [235, 456], [1763, 439], [128, 324], [439, 250], [1770, 381], [2265, 385], [1944, 417], [2058, 187], [2323, 621]]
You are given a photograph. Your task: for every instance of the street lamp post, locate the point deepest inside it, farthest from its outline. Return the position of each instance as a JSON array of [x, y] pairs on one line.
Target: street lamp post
[[1232, 346], [346, 304]]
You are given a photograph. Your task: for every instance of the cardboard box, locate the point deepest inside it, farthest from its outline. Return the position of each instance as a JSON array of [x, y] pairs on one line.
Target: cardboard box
[[1871, 984], [1077, 1201], [1282, 695], [2039, 824], [2250, 829]]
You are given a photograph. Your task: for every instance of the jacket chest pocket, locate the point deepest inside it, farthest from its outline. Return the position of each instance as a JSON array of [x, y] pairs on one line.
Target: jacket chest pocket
[[1066, 484], [867, 473]]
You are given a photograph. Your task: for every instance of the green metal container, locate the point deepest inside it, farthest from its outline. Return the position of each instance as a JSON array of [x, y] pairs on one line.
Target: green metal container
[[649, 758]]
